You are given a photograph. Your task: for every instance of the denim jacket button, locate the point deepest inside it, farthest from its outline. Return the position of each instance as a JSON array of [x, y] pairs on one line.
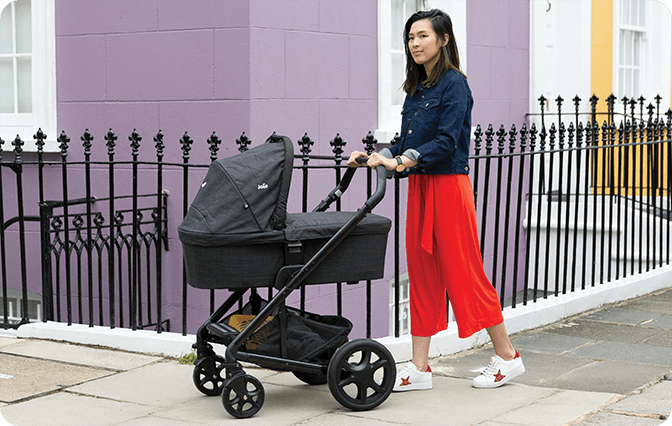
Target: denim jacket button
[[427, 104], [466, 168], [410, 131]]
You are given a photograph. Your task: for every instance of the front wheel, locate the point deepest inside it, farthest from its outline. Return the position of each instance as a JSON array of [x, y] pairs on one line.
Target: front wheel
[[361, 374], [243, 396], [208, 375]]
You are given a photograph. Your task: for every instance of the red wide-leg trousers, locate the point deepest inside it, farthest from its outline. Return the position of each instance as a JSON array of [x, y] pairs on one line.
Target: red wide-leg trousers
[[443, 256]]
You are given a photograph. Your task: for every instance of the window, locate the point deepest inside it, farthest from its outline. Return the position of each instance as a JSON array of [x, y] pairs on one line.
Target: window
[[392, 15], [392, 64], [27, 71], [632, 22]]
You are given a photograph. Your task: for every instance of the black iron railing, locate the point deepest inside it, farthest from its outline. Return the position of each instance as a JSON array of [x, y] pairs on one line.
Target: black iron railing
[[564, 203]]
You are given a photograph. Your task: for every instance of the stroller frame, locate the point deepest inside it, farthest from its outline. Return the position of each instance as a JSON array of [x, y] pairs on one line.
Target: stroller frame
[[243, 394]]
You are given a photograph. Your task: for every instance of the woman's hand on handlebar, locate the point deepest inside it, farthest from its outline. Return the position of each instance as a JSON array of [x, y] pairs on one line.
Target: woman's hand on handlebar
[[352, 161], [376, 159], [373, 161]]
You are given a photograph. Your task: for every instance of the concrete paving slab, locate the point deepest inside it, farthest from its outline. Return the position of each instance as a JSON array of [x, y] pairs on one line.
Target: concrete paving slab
[[661, 339], [459, 409], [641, 354], [662, 321], [25, 377], [159, 385], [540, 368], [656, 399], [620, 315], [81, 355], [665, 296], [283, 406], [7, 341], [162, 384], [549, 343], [607, 376], [650, 305], [612, 419], [556, 409], [594, 330], [341, 419], [153, 420], [66, 409]]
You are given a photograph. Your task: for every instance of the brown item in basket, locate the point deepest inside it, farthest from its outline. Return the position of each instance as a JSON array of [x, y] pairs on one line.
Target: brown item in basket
[[240, 322]]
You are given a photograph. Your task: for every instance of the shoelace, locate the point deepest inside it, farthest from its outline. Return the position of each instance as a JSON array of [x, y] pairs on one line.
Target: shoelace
[[491, 368], [406, 370]]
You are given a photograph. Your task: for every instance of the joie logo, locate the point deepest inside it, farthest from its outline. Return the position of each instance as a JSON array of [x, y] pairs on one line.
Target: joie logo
[[263, 186]]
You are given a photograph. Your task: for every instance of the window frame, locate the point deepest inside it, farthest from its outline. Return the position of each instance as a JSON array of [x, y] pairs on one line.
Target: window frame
[[43, 82], [639, 35]]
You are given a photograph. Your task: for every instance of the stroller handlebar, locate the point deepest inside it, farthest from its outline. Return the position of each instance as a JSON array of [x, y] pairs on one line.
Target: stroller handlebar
[[335, 194]]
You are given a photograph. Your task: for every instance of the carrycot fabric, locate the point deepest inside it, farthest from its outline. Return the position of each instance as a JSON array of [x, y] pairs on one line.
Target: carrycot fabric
[[243, 199], [237, 228]]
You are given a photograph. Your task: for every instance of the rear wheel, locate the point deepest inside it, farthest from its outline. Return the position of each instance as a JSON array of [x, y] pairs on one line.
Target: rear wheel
[[361, 374]]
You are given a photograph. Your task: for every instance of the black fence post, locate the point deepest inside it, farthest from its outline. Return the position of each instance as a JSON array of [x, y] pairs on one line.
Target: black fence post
[[160, 199], [136, 310], [47, 290], [185, 143], [3, 259], [369, 146], [213, 146], [305, 142], [87, 138], [338, 143], [64, 140], [111, 138]]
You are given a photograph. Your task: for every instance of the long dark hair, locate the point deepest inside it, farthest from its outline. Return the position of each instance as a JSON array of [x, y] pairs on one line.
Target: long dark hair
[[449, 59]]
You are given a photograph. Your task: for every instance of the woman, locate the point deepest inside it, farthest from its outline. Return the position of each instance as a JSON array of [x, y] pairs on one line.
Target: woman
[[442, 248]]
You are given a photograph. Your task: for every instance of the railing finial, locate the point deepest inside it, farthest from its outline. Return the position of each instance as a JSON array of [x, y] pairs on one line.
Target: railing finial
[[87, 137], [159, 144], [64, 139], [214, 142], [369, 143], [39, 140]]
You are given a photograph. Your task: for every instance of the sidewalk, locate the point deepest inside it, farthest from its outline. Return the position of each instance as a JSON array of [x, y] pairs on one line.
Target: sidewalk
[[610, 366]]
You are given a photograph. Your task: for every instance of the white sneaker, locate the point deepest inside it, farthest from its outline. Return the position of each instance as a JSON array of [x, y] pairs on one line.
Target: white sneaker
[[410, 378], [499, 372]]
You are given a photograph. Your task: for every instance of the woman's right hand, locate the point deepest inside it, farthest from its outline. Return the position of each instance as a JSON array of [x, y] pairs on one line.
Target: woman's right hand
[[352, 161]]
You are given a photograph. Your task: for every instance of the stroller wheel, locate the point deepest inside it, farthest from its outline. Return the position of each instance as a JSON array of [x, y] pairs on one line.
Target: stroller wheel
[[361, 374], [311, 379], [243, 396], [208, 375]]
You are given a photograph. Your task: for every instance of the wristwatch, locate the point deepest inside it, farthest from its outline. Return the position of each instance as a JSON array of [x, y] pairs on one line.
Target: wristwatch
[[400, 162]]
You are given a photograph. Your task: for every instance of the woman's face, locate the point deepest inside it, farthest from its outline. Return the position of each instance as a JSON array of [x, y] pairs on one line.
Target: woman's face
[[424, 44]]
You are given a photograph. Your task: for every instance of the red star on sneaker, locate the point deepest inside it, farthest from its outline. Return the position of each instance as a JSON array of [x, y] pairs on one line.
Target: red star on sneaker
[[499, 376], [405, 382]]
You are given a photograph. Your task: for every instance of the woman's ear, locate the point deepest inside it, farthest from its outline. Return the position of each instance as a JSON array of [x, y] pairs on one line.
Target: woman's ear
[[446, 39]]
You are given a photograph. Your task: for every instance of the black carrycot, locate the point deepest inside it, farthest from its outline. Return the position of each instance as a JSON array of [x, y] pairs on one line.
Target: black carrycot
[[237, 235], [237, 231]]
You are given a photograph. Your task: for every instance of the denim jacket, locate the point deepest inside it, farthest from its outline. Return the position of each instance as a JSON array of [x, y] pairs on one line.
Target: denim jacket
[[436, 123]]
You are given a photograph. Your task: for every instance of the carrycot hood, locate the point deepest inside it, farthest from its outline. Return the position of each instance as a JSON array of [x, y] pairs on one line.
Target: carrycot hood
[[243, 199]]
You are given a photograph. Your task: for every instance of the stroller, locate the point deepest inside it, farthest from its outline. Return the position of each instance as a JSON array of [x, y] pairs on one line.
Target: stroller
[[238, 236]]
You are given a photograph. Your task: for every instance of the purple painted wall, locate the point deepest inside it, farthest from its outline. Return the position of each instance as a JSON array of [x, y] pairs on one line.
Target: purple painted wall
[[230, 66]]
